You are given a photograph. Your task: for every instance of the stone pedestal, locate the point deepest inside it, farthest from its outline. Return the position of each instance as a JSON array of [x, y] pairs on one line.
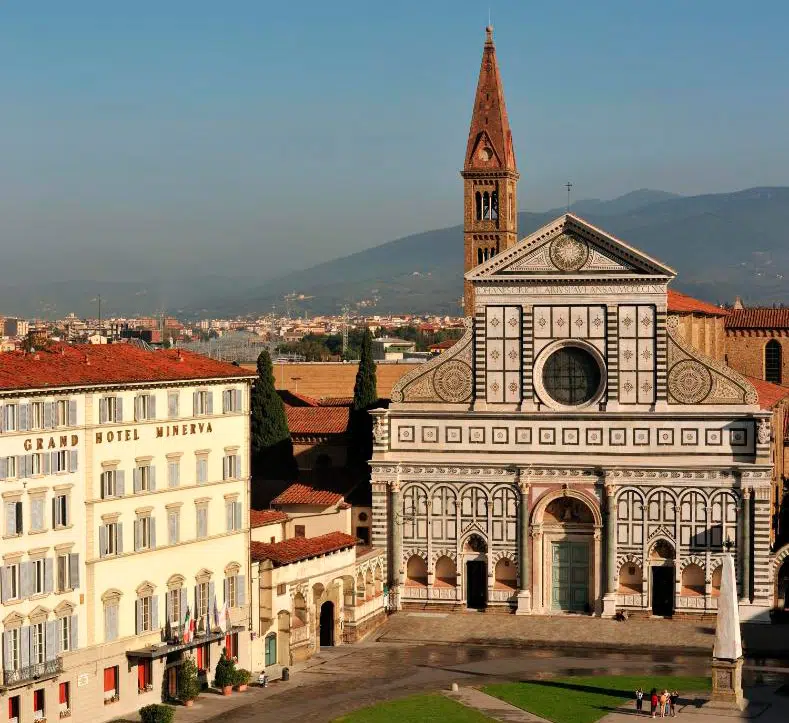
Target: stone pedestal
[[727, 684], [524, 603], [609, 605]]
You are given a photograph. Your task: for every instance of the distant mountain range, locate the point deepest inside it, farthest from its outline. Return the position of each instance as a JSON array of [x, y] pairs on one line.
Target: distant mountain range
[[722, 245]]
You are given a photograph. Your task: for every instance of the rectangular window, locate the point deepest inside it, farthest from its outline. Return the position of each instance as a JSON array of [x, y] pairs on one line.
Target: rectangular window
[[203, 403], [39, 574], [13, 518], [202, 470], [65, 634], [111, 410], [144, 407], [145, 614], [110, 539], [37, 415], [231, 466], [144, 478], [144, 537], [13, 709], [61, 509], [173, 405], [174, 612], [299, 531], [282, 588], [202, 599], [202, 522], [231, 400], [60, 461], [63, 575], [37, 464], [7, 467], [10, 417], [109, 484], [111, 683], [14, 643], [144, 676], [231, 645], [64, 696], [173, 527], [173, 473], [38, 704], [232, 587], [110, 622], [37, 643], [62, 413], [37, 514], [233, 516]]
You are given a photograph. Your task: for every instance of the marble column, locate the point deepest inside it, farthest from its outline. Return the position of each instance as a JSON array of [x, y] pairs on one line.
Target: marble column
[[745, 545], [396, 517], [612, 583], [524, 568]]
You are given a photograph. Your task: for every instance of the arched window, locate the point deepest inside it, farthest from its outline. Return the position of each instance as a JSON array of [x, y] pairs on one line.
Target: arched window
[[443, 514], [693, 520], [486, 206], [631, 579], [505, 575], [724, 519], [480, 259], [446, 573], [630, 518], [494, 205], [772, 361], [693, 580], [716, 581], [478, 205], [414, 513], [416, 572]]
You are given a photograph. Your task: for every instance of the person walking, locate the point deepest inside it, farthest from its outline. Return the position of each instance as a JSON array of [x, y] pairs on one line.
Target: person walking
[[639, 700], [674, 702], [663, 703], [653, 700]]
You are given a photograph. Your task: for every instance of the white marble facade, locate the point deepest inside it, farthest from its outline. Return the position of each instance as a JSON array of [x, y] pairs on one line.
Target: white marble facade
[[571, 452]]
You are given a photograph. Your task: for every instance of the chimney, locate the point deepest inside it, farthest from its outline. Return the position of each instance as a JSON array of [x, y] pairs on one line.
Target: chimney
[[738, 303]]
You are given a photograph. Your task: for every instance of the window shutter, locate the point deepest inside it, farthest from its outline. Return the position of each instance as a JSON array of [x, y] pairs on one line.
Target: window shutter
[[228, 516], [72, 412], [238, 405], [10, 518], [241, 590], [72, 460], [53, 459], [73, 570], [36, 514], [171, 401], [103, 404], [171, 530], [227, 590], [239, 471], [137, 535], [138, 617], [5, 585], [119, 538], [209, 406], [2, 418], [152, 477], [153, 533], [195, 403], [154, 612], [49, 578], [152, 406], [7, 655], [19, 523], [120, 483], [237, 514], [136, 475], [45, 464], [103, 541], [3, 467], [25, 579], [118, 409], [51, 645], [49, 415], [24, 417], [74, 624], [24, 646], [211, 597], [225, 467]]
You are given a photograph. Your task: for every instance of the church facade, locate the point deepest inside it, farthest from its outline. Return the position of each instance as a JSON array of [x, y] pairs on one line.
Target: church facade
[[572, 452]]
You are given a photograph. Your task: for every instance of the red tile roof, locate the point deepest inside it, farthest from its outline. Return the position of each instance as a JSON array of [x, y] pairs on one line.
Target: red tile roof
[[680, 303], [335, 401], [294, 399], [259, 518], [299, 494], [64, 365], [300, 548], [317, 420], [440, 346], [758, 319], [769, 394]]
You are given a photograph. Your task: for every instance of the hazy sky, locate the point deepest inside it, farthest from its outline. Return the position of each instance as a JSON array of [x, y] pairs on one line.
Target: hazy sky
[[311, 129]]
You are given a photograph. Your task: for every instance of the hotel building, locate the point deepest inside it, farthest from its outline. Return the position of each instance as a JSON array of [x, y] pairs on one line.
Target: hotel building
[[125, 482]]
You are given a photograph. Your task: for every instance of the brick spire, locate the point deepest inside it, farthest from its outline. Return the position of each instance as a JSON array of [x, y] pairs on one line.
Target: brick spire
[[490, 138]]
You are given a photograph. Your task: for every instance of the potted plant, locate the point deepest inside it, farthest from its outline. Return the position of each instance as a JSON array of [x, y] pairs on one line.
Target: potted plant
[[188, 684], [224, 677], [241, 681], [157, 713]]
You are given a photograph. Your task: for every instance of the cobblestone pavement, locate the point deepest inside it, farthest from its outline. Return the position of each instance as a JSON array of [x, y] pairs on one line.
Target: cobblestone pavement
[[342, 679]]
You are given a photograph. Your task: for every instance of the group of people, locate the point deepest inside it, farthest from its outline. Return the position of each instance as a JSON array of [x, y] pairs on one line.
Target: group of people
[[663, 704]]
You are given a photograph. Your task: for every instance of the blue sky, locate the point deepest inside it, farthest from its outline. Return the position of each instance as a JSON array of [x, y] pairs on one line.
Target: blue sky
[[311, 129]]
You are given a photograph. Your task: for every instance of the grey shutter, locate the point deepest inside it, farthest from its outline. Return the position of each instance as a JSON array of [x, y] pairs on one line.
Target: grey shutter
[[227, 590], [241, 590], [120, 483], [136, 476], [152, 406], [172, 531], [24, 417], [196, 607], [74, 632], [154, 612], [137, 617], [211, 599], [72, 412], [10, 518], [51, 646], [73, 570], [137, 535], [152, 477], [225, 467], [103, 541], [239, 400], [45, 463], [37, 514], [237, 515], [184, 604], [195, 403], [171, 402], [228, 516], [107, 623], [119, 538], [103, 404], [54, 512], [25, 579], [137, 408], [53, 460], [3, 467], [2, 418], [5, 584], [49, 578], [239, 471], [118, 409], [7, 654], [49, 415], [153, 533], [209, 408], [28, 465], [73, 460], [225, 401], [24, 647]]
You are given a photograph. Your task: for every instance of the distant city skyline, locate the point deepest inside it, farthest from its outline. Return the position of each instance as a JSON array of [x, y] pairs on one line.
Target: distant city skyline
[[198, 132]]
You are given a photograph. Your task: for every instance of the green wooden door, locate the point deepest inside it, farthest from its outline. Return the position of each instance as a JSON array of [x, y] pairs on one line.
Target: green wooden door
[[271, 649], [570, 584]]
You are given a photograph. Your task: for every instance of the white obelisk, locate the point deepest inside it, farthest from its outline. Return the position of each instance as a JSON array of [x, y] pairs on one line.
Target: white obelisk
[[727, 654]]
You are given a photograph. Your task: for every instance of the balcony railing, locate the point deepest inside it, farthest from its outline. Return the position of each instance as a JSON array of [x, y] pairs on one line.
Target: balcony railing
[[47, 669]]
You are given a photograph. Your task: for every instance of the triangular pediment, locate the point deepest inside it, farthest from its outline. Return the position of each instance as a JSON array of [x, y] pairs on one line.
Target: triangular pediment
[[571, 247], [484, 153]]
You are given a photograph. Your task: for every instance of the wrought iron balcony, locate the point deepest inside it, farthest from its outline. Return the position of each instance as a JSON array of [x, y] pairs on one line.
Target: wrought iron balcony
[[39, 671]]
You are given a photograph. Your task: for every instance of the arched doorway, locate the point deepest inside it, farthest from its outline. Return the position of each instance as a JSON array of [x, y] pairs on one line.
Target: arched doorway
[[271, 649], [475, 552], [327, 624], [661, 563]]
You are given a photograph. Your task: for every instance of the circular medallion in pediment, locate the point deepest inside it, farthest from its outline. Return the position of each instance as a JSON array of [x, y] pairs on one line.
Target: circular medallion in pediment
[[568, 252], [689, 382], [452, 381]]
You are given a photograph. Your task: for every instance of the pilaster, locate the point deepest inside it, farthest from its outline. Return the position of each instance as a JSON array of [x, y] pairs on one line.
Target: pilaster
[[612, 583], [524, 569]]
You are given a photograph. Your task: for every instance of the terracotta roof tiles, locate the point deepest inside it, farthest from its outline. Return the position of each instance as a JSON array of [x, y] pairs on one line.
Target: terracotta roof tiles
[[295, 549], [260, 518], [299, 494], [758, 319], [769, 394], [317, 420], [681, 303], [64, 365]]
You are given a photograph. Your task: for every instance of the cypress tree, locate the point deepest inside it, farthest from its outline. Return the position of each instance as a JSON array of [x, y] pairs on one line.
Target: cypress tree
[[365, 397], [271, 445], [365, 393]]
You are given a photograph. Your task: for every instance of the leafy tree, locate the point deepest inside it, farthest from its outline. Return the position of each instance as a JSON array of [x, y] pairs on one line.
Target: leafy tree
[[272, 447], [365, 397], [188, 684], [225, 671]]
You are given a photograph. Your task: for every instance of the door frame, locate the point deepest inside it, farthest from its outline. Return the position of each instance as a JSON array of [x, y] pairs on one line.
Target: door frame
[[672, 574], [330, 629], [482, 562], [589, 563]]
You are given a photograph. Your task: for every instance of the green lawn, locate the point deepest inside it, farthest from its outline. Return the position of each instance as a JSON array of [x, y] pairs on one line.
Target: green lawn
[[416, 709], [585, 700]]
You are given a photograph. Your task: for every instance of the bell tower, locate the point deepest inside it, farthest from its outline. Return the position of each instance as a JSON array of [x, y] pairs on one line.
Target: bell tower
[[490, 174]]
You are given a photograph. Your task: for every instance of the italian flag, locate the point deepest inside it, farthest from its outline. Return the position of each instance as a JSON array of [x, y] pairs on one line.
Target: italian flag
[[187, 625]]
